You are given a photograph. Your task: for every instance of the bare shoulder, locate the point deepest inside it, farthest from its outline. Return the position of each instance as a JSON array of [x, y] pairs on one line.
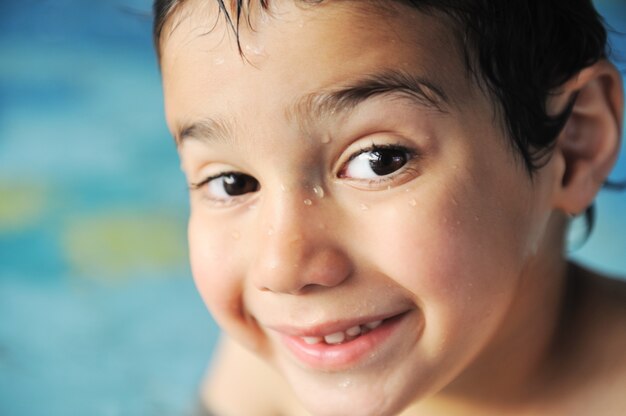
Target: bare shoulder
[[595, 358], [240, 384], [602, 312]]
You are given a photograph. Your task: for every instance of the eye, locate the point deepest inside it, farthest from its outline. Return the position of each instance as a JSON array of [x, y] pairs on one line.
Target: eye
[[226, 186], [376, 162]]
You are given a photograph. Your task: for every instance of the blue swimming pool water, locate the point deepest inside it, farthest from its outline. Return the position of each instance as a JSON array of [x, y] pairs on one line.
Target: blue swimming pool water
[[98, 314]]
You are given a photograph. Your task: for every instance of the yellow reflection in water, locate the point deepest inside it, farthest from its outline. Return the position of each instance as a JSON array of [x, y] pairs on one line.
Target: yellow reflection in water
[[118, 244], [21, 205]]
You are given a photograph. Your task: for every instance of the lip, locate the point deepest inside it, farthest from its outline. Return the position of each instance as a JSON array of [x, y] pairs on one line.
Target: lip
[[330, 327], [346, 355]]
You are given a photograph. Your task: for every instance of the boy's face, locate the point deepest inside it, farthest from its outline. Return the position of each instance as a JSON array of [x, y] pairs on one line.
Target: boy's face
[[339, 205]]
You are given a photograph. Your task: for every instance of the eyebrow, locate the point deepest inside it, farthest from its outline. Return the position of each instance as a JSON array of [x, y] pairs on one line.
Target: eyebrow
[[401, 84], [206, 129], [319, 104]]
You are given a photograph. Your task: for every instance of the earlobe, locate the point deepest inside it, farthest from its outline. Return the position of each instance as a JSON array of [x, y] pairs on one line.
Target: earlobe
[[588, 145]]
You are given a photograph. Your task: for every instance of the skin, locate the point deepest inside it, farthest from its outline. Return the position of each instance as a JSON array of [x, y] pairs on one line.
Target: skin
[[459, 239]]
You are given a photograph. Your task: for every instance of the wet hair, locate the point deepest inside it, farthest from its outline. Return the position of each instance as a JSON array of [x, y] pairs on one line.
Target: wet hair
[[519, 51]]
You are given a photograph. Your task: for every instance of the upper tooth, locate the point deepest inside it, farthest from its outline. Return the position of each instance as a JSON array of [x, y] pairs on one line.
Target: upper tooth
[[354, 331], [312, 340], [339, 337], [335, 338], [373, 325]]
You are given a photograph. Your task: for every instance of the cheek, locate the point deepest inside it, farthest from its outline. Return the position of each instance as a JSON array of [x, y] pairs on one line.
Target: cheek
[[213, 265], [455, 256], [218, 267]]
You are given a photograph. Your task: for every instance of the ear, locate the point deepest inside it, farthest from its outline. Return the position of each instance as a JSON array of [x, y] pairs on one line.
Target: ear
[[588, 145]]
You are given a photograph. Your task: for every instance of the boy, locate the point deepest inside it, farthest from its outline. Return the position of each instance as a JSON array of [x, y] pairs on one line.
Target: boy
[[379, 196]]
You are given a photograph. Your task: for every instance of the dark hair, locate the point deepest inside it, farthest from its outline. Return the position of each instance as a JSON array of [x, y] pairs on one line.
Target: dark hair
[[520, 50]]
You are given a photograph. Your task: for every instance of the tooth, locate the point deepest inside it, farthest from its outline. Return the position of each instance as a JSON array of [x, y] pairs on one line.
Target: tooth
[[373, 325], [335, 338], [354, 331], [312, 340]]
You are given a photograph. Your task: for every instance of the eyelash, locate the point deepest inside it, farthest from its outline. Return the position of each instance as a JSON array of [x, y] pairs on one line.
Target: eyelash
[[198, 186], [194, 186], [405, 170]]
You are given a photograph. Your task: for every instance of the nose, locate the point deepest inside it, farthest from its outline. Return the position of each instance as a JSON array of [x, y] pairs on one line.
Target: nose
[[296, 252]]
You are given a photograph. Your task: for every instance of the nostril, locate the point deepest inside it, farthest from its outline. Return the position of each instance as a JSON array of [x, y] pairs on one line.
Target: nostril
[[308, 288], [303, 273]]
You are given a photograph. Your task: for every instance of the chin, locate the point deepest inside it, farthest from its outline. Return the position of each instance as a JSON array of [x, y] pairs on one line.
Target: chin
[[341, 395], [346, 405], [354, 405]]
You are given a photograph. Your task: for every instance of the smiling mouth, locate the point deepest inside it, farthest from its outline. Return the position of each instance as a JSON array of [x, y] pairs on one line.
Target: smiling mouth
[[348, 335], [340, 346]]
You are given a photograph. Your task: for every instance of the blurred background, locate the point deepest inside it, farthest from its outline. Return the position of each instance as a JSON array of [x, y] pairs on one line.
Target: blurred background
[[98, 313]]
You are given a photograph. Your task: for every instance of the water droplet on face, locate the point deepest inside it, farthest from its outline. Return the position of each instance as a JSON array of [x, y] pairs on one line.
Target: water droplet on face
[[308, 202], [388, 187], [236, 235], [270, 231], [455, 202], [325, 139], [345, 383], [218, 61], [318, 191], [283, 187], [255, 50], [364, 207], [413, 203]]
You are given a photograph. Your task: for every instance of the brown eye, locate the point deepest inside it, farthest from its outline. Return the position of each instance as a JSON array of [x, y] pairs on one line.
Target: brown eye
[[386, 161], [376, 162], [225, 187], [236, 184]]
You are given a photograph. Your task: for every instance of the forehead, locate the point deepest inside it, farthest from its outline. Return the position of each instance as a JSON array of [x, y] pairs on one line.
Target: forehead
[[294, 49]]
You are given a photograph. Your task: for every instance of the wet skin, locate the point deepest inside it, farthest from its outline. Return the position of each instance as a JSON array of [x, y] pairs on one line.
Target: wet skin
[[313, 212]]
